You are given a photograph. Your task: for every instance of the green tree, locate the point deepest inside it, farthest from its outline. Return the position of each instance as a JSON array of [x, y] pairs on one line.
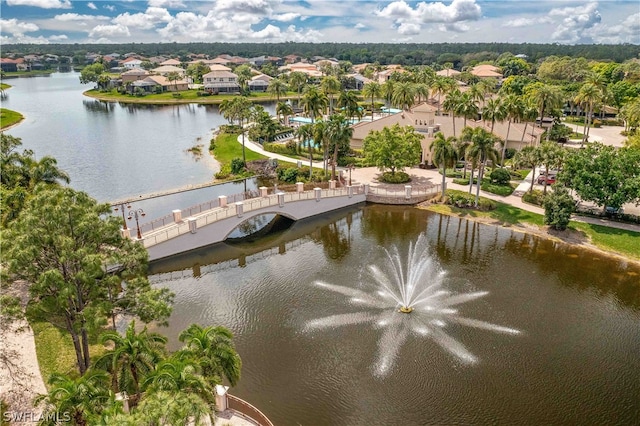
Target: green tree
[[444, 155], [494, 111], [530, 157], [244, 74], [393, 148], [239, 108], [278, 88], [197, 70], [179, 374], [348, 101], [79, 398], [305, 135], [546, 97], [558, 207], [90, 73], [339, 133], [551, 155], [298, 80], [513, 107], [482, 149], [404, 95], [213, 349], [63, 247], [330, 85], [174, 76], [587, 96], [372, 90], [452, 105], [608, 176], [284, 109], [132, 358], [169, 408]]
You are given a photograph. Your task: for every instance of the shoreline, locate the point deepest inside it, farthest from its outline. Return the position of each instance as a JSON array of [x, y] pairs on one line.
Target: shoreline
[[568, 237], [142, 101]]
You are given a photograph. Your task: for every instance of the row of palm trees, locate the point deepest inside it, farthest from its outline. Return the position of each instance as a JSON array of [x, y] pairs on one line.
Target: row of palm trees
[[160, 388]]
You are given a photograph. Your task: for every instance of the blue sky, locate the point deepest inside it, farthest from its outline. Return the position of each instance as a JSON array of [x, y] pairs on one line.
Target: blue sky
[[356, 21]]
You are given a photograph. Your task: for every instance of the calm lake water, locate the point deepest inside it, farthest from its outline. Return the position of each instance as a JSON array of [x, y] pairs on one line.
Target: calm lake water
[[574, 359], [114, 151]]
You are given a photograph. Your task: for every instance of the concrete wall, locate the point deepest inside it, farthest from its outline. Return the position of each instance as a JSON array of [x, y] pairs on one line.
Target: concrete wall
[[218, 231]]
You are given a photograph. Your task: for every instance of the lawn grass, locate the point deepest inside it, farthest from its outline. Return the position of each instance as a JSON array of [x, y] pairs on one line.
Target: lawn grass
[[186, 96], [9, 117], [227, 148], [27, 73], [55, 352], [611, 239]]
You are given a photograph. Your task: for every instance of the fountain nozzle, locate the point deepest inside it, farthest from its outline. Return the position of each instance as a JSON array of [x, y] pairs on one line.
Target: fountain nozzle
[[406, 309]]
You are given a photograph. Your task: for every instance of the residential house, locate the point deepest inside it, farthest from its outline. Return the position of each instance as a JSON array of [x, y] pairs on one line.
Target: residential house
[[170, 62], [302, 67], [357, 80], [448, 72], [221, 82], [150, 83], [292, 59], [131, 63], [166, 69], [134, 75], [424, 120], [260, 83], [8, 65], [218, 67], [485, 71]]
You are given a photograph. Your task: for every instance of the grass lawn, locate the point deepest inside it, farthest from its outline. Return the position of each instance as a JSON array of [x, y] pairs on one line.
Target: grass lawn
[[9, 117], [187, 96], [55, 352], [227, 148], [27, 73]]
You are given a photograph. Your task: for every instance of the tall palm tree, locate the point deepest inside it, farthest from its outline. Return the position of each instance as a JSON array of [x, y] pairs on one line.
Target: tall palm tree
[[482, 149], [305, 134], [171, 408], [372, 90], [529, 156], [529, 113], [284, 109], [444, 155], [452, 105], [461, 146], [297, 80], [348, 101], [422, 89], [174, 76], [588, 95], [513, 107], [404, 95], [321, 139], [277, 87], [494, 111], [388, 87], [213, 349], [179, 374], [551, 156], [467, 107], [339, 133], [441, 85], [546, 97], [80, 397], [330, 85], [133, 357]]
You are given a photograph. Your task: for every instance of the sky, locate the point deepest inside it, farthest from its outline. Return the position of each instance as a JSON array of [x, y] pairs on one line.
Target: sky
[[352, 21]]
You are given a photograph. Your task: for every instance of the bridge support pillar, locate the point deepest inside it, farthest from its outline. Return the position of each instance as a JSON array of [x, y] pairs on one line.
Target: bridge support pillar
[[366, 188], [222, 199], [193, 226], [263, 191], [177, 215], [350, 191], [407, 192], [239, 208], [318, 193], [281, 199], [299, 186], [332, 184]]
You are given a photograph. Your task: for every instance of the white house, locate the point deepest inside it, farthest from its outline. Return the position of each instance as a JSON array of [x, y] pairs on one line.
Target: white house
[[221, 81]]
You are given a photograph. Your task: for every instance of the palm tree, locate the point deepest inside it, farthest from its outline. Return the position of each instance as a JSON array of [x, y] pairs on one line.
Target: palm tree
[[467, 107], [461, 146], [171, 408], [422, 89], [277, 87], [213, 349], [314, 102], [298, 80], [404, 95], [482, 149], [174, 76], [321, 139], [239, 108], [551, 156], [588, 95], [444, 155], [513, 107], [372, 90], [305, 134], [339, 133], [529, 113], [133, 357], [546, 98], [452, 104], [494, 111], [348, 101], [330, 85], [80, 397], [388, 87], [179, 374], [284, 109], [440, 86], [528, 156]]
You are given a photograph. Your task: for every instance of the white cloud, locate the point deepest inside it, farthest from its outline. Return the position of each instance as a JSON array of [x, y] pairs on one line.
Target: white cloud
[[44, 4], [144, 21], [59, 37], [577, 23], [526, 22], [78, 17], [628, 31], [251, 7], [285, 17], [359, 26], [409, 20], [22, 39], [117, 30], [109, 7], [15, 27], [171, 4], [90, 5]]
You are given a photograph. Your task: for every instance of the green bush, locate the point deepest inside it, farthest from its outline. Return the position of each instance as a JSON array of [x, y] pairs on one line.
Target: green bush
[[558, 206], [536, 197], [289, 174], [520, 174], [279, 148], [224, 173], [462, 181], [237, 166], [212, 144], [465, 200], [500, 176], [397, 177], [509, 153], [497, 189], [232, 129]]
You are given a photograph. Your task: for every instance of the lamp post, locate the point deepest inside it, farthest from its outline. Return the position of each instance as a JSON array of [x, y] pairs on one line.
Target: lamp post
[[124, 219], [137, 214]]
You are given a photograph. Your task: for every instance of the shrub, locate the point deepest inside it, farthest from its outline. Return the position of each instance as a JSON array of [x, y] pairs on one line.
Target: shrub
[[230, 128], [465, 200], [509, 153], [397, 177], [462, 181], [537, 197], [558, 206], [177, 95], [500, 176], [596, 123], [493, 188], [212, 144], [237, 166], [289, 174], [224, 173]]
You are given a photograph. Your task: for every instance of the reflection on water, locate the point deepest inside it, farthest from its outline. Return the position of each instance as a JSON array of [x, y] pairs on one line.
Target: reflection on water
[[574, 363]]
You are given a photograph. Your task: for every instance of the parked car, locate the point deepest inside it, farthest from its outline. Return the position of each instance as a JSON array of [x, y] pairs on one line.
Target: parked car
[[613, 210], [551, 179]]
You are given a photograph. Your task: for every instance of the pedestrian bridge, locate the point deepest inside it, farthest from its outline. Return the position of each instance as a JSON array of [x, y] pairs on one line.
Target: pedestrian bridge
[[218, 219]]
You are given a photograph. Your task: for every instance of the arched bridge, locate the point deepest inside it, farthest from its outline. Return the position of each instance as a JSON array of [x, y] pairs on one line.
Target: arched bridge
[[215, 225]]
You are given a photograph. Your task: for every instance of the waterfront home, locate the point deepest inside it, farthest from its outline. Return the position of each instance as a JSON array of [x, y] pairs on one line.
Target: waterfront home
[[221, 81], [134, 75], [485, 71], [152, 82], [131, 63], [170, 63], [260, 83], [166, 69]]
